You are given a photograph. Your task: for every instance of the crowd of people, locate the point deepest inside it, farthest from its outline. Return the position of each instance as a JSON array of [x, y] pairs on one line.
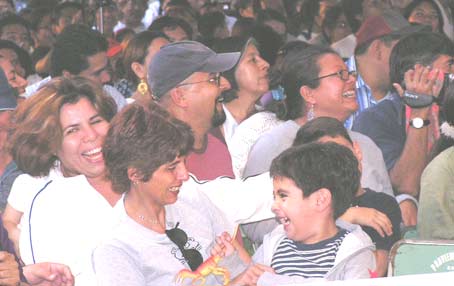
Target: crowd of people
[[243, 142]]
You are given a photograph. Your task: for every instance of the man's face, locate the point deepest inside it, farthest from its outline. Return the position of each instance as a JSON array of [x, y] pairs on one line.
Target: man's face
[[9, 63], [176, 34], [98, 68], [204, 94], [5, 124], [17, 34], [445, 63]]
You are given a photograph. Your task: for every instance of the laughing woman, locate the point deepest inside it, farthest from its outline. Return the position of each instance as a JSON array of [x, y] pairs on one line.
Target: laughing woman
[[167, 228]]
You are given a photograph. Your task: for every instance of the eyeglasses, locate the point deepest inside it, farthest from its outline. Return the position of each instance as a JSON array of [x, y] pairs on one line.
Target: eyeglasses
[[180, 238], [214, 80], [342, 74]]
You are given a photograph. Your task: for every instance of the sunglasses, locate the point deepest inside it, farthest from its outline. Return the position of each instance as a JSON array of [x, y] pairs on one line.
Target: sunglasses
[[180, 238]]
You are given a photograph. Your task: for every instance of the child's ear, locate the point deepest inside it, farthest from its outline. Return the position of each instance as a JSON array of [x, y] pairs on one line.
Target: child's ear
[[323, 199]]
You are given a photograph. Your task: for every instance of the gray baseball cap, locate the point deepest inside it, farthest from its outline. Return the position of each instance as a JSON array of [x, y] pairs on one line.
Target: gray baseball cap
[[175, 62], [7, 98]]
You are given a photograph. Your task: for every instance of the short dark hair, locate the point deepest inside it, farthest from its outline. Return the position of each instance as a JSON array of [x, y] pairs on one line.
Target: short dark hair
[[24, 58], [447, 112], [299, 67], [143, 136], [412, 5], [170, 22], [320, 127], [72, 48], [422, 47], [37, 132], [13, 19], [137, 50], [56, 12], [315, 166]]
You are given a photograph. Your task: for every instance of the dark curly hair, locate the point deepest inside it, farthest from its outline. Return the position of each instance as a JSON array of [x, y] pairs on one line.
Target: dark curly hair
[[143, 136], [315, 166]]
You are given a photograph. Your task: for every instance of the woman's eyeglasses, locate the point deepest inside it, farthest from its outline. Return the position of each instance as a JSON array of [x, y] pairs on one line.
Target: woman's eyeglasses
[[342, 74], [180, 238]]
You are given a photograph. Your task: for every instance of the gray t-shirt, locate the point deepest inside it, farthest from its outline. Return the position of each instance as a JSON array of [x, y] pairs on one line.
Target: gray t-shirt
[[374, 174], [136, 255]]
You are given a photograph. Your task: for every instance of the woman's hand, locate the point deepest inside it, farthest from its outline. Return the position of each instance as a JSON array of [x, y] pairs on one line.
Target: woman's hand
[[251, 275], [369, 217], [9, 270], [48, 274]]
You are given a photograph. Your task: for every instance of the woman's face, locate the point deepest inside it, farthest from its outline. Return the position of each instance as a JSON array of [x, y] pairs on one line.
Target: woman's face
[[164, 185], [83, 133], [334, 97], [425, 14], [252, 72]]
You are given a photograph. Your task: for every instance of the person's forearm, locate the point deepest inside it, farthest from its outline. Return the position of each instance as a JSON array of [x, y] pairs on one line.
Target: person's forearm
[[406, 173]]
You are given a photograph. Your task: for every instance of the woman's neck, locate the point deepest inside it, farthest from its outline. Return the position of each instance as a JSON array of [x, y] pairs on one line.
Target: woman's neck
[[144, 211], [243, 106]]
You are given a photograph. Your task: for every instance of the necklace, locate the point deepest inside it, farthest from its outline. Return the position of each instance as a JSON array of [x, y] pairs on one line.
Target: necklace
[[150, 220]]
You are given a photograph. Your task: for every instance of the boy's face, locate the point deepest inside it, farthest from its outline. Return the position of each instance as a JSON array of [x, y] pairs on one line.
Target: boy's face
[[294, 211]]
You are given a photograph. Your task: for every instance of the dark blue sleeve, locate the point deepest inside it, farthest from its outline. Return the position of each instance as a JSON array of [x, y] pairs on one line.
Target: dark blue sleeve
[[381, 124]]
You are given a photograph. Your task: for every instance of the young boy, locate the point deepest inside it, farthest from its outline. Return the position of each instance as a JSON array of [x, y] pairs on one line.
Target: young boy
[[326, 129], [313, 185]]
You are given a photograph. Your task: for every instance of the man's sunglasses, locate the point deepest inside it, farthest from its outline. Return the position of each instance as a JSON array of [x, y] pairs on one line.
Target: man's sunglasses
[[180, 238]]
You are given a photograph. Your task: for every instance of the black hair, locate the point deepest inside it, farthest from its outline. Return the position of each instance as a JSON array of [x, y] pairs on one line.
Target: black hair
[[24, 58], [422, 47], [315, 166], [13, 19], [209, 23], [269, 42], [72, 48], [447, 112], [56, 13], [170, 22], [320, 127], [299, 68]]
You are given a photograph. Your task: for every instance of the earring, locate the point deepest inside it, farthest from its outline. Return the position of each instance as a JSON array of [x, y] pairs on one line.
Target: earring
[[142, 87], [311, 113]]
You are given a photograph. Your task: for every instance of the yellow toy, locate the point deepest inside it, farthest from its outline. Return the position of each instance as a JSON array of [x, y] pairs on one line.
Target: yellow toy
[[209, 266]]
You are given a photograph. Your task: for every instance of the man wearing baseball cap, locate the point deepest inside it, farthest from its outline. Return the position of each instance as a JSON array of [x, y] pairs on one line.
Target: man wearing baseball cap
[[184, 78], [374, 41]]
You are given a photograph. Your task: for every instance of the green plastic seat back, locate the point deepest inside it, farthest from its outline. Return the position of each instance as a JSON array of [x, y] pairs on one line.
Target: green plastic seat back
[[409, 256]]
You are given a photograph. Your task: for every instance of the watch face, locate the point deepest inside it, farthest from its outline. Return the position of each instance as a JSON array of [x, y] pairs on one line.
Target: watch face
[[417, 122]]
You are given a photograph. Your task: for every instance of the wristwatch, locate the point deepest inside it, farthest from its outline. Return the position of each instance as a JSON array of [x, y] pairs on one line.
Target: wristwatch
[[419, 123]]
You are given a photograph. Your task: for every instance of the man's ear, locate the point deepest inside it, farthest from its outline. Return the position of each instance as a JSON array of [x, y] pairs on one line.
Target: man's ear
[[376, 50], [178, 98], [322, 199]]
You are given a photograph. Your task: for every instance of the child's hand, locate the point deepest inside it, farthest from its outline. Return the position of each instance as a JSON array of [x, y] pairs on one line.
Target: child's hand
[[251, 275], [223, 246], [369, 217]]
